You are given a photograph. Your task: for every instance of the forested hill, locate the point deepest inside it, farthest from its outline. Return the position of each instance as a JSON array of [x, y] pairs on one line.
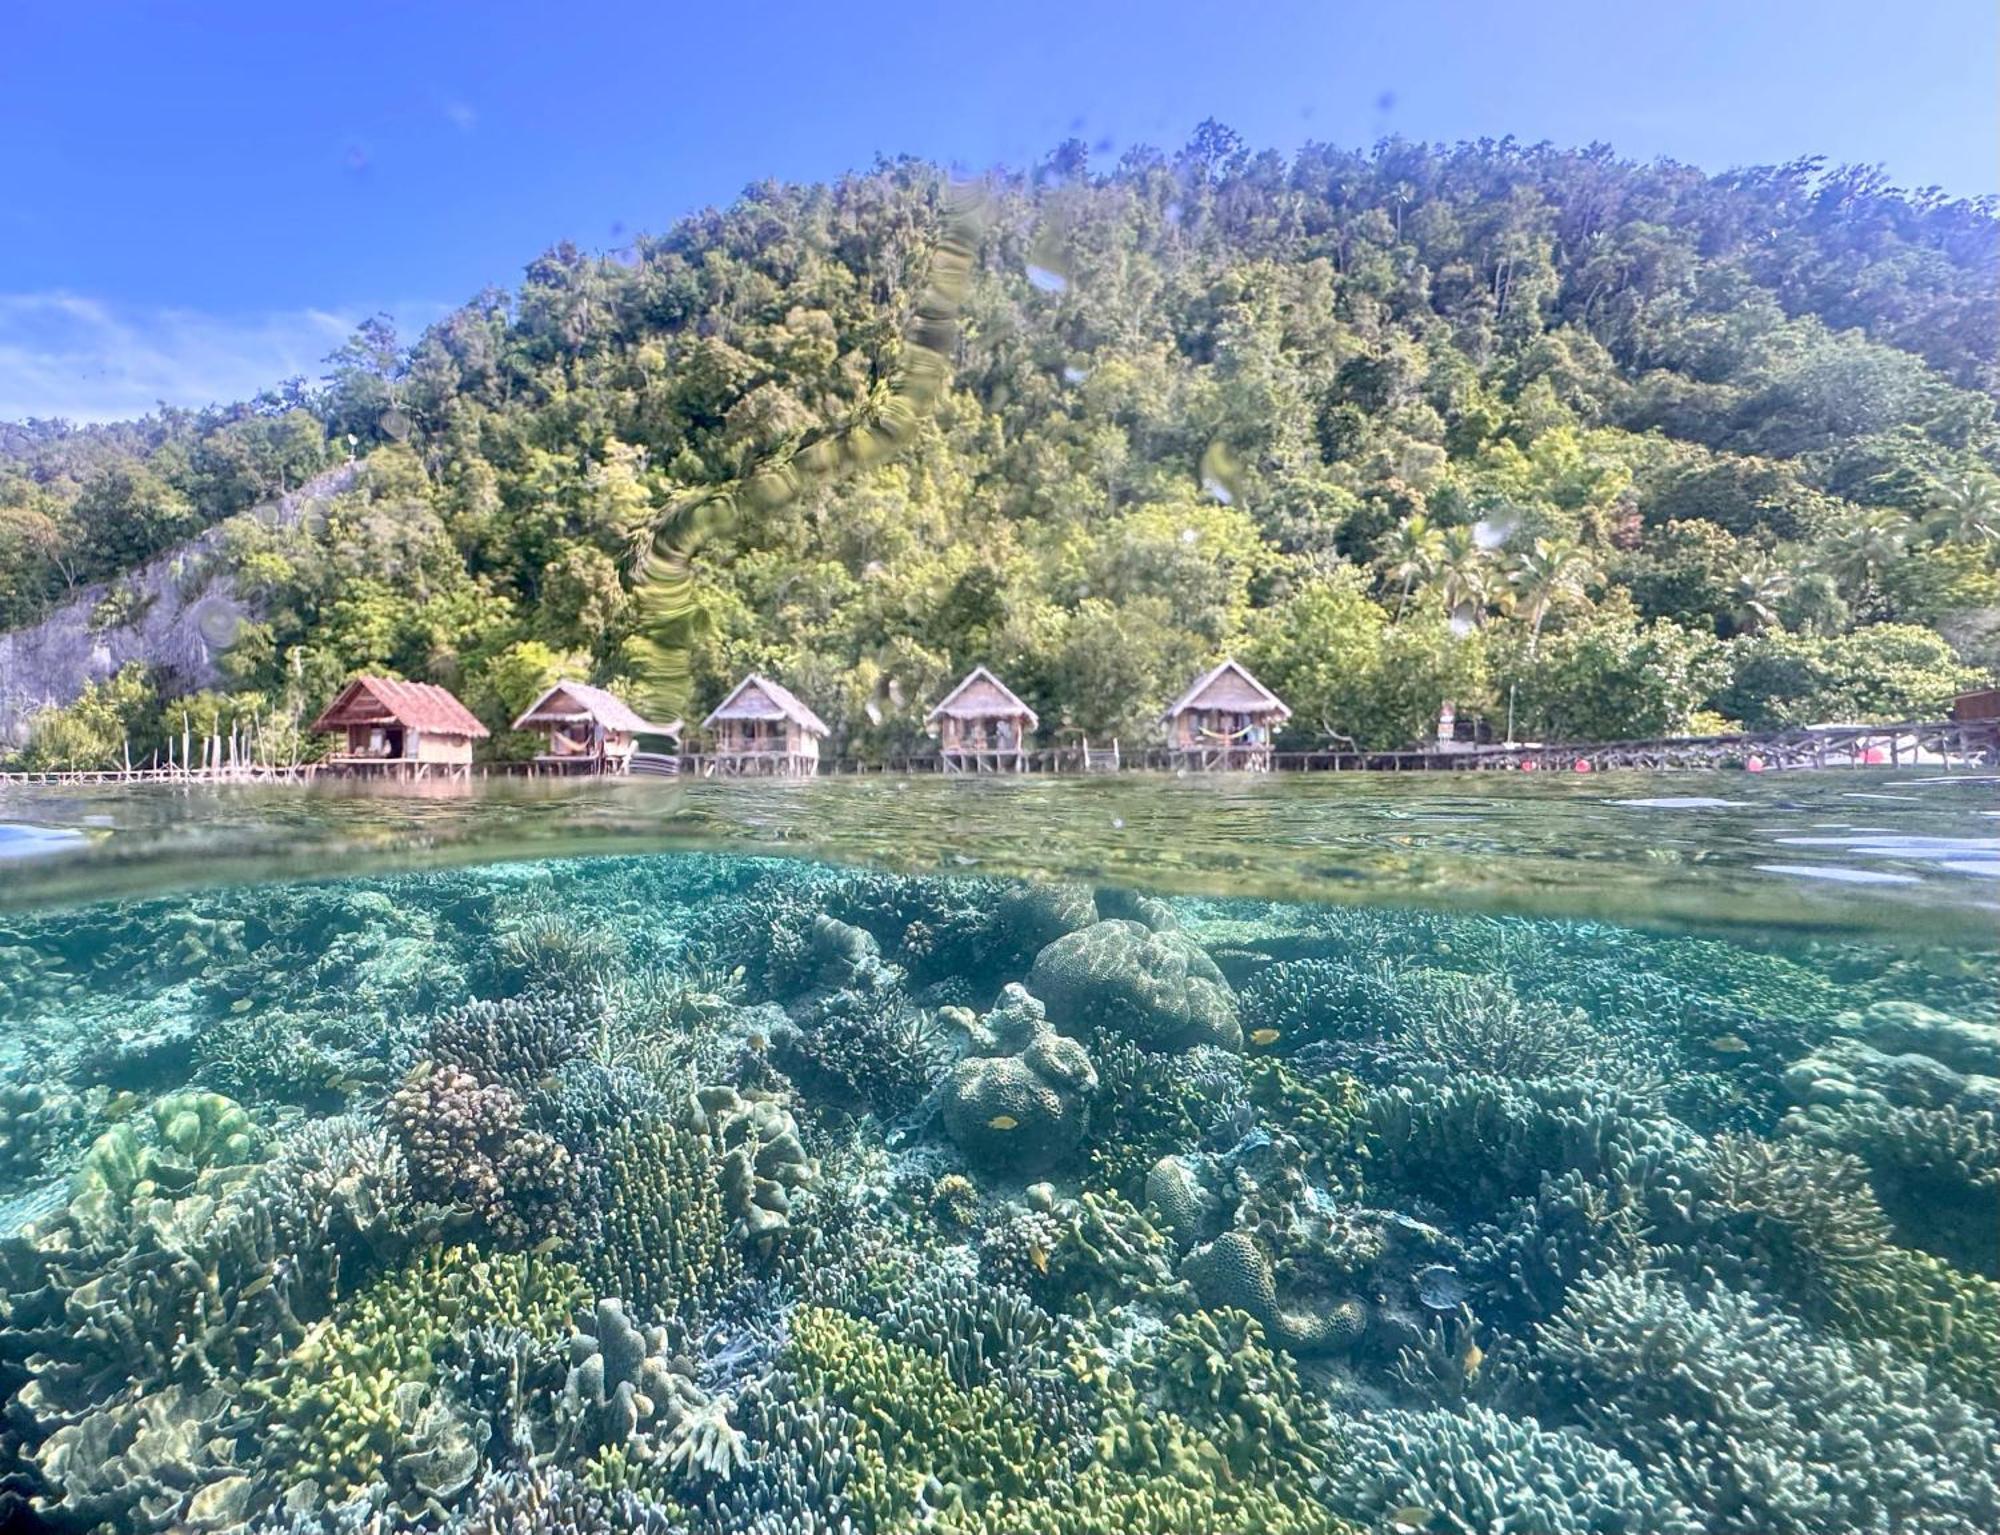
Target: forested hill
[[1645, 445]]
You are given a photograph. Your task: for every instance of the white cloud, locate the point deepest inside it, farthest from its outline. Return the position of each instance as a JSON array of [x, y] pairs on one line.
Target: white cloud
[[68, 355]]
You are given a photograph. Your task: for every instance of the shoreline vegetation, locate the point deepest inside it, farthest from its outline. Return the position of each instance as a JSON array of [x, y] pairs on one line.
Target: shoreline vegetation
[[1607, 451]]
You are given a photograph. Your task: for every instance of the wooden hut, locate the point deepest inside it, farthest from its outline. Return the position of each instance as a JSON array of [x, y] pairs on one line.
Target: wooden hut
[[1226, 720], [981, 727], [400, 729], [760, 730], [589, 730]]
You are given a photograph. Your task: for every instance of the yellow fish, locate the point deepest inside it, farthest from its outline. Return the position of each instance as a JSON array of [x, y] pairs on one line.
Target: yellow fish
[[1263, 1036], [546, 1246], [1039, 1256], [1729, 1044], [1473, 1357], [1003, 1122], [240, 1005]]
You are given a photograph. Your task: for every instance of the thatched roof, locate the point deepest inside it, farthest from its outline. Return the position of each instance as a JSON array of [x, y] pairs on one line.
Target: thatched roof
[[982, 696], [759, 698], [576, 703], [1231, 688], [414, 705]]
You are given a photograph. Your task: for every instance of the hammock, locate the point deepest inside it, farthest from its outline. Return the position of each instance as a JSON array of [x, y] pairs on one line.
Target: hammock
[[1224, 736]]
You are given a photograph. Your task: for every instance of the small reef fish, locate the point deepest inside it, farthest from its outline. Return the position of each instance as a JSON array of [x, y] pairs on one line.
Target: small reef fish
[[1470, 1361], [1408, 1519], [544, 1247], [1729, 1044], [1263, 1036], [1003, 1122], [1039, 1256]]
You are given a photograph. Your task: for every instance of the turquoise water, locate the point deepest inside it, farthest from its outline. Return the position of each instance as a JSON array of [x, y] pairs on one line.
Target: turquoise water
[[1134, 1155]]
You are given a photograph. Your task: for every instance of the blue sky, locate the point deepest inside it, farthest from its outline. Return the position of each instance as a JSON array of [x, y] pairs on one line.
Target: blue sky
[[202, 198]]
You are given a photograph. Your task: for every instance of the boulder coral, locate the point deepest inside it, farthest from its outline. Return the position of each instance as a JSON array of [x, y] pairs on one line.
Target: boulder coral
[[1020, 1100], [1159, 989]]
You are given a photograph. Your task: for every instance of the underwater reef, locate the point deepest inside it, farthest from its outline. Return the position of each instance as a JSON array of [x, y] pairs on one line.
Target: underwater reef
[[692, 1193]]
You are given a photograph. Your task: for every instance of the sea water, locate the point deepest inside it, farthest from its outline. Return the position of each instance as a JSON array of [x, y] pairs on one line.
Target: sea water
[[1593, 1154]]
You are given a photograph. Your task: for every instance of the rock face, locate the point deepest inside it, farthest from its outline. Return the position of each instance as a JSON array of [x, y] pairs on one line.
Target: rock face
[[1020, 1101], [184, 616], [1158, 989]]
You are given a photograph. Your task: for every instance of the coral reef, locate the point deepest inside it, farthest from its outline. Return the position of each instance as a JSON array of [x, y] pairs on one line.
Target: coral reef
[[738, 1195]]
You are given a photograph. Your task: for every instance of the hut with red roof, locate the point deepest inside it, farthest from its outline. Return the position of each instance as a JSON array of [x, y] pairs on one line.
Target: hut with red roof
[[400, 729], [761, 730], [982, 727], [1226, 719]]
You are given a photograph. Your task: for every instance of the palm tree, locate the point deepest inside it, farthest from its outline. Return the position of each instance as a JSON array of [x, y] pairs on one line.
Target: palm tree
[[1866, 546], [1551, 574], [1755, 591], [1409, 552], [1966, 510], [1464, 572], [1554, 572]]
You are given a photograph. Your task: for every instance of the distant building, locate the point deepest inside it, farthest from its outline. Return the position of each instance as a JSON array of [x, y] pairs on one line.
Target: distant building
[[761, 730], [981, 727], [401, 729], [1980, 704], [1226, 720], [589, 730]]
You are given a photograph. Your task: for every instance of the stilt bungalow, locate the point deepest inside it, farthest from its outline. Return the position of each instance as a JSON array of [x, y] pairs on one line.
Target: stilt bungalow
[[981, 727], [1225, 721], [761, 731], [592, 731], [400, 730]]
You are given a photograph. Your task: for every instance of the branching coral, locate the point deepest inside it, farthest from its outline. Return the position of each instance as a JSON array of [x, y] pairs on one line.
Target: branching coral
[[466, 1147], [1481, 1470], [1757, 1424], [666, 1245], [359, 1398], [517, 1041]]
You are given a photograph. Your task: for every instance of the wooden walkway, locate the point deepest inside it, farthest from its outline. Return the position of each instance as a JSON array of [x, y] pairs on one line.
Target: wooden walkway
[[1931, 743]]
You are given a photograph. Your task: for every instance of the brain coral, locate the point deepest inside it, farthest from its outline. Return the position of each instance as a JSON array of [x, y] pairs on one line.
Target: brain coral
[[1161, 990], [1020, 1100]]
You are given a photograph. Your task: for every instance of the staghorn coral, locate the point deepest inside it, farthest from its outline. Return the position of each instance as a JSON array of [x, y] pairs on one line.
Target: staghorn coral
[[1758, 1425], [1485, 1471], [1936, 1171], [553, 1501], [360, 1398], [1020, 1099], [1161, 990], [517, 1041], [666, 1243]]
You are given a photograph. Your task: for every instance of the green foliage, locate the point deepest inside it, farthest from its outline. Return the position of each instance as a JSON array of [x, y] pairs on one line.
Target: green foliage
[[1879, 675], [1393, 424], [96, 730]]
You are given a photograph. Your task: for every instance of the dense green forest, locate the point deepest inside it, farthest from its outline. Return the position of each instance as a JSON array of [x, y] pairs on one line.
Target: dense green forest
[[1643, 447]]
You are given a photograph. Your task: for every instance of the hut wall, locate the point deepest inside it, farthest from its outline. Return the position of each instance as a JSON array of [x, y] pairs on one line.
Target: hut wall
[[433, 746]]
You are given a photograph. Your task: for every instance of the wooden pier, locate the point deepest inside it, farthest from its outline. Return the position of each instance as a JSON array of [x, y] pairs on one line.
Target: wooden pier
[[1949, 744]]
